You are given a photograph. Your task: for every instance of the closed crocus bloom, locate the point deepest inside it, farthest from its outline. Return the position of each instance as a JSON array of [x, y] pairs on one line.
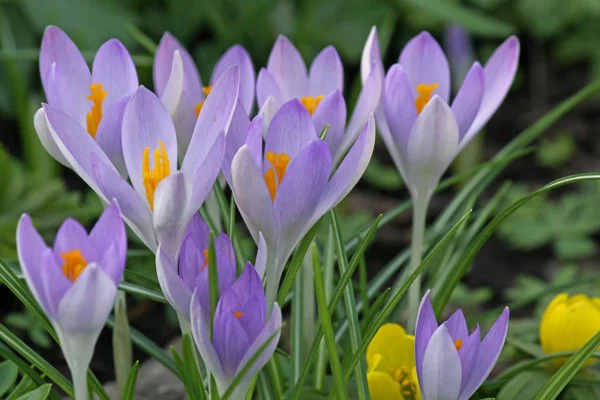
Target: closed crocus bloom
[[241, 327], [161, 199], [568, 323], [392, 372], [75, 281], [320, 91], [179, 280], [179, 86], [421, 128], [95, 100], [451, 363], [282, 193]]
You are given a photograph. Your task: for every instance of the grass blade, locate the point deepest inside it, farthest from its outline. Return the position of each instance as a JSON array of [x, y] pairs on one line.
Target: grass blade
[[129, 388]]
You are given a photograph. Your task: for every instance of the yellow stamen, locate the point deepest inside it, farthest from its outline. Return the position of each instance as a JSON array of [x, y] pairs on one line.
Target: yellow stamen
[[97, 96], [238, 314], [74, 264], [311, 103], [205, 261], [162, 169], [206, 90], [274, 176], [425, 92], [458, 344]]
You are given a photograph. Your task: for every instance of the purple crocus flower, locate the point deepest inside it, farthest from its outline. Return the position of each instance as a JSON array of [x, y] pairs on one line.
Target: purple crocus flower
[[451, 363], [179, 86], [95, 100], [319, 90], [420, 128], [75, 282], [161, 199], [240, 329], [283, 193], [179, 280], [458, 46]]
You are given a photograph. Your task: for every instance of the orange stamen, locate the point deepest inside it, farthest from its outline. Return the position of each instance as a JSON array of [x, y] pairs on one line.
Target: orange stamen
[[425, 92], [205, 261], [274, 176], [458, 344], [152, 177], [206, 90], [97, 96], [238, 314], [74, 264], [311, 103]]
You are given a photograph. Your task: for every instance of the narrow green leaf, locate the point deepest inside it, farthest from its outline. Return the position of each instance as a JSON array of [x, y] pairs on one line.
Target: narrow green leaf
[[324, 132], [24, 367], [213, 281], [129, 388], [142, 39], [276, 377], [122, 352], [297, 330], [40, 393], [191, 367]]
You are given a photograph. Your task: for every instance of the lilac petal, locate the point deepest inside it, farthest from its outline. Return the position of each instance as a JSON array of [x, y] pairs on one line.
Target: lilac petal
[[57, 48], [114, 69], [224, 247], [425, 326], [468, 99], [112, 264], [326, 73], [163, 61], [253, 316], [230, 340], [145, 123], [371, 55], [425, 62], [54, 284], [108, 135], [200, 332], [237, 55], [199, 232], [110, 230], [457, 326], [288, 69], [397, 152], [191, 260], [171, 213], [254, 138], [290, 130], [64, 95], [489, 351], [86, 306], [174, 288], [72, 236], [248, 285], [301, 189], [442, 370], [266, 87], [499, 74], [134, 209], [332, 111], [43, 132], [260, 265], [226, 276], [365, 105], [235, 138], [399, 105], [252, 196], [458, 46], [468, 356], [215, 118], [267, 112], [432, 146]]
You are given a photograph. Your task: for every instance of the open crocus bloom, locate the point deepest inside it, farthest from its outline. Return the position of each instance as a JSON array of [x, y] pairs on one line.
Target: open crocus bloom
[[76, 280], [95, 100], [451, 363], [421, 130], [320, 91], [240, 329], [160, 201], [179, 280], [179, 86], [282, 193], [392, 373]]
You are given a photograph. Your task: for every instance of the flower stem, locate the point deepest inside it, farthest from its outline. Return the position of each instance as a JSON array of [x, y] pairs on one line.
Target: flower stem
[[80, 383], [418, 232]]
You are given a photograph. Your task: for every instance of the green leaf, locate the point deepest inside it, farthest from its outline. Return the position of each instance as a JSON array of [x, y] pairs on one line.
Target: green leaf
[[122, 351], [9, 373], [129, 388], [40, 393], [190, 371], [525, 385]]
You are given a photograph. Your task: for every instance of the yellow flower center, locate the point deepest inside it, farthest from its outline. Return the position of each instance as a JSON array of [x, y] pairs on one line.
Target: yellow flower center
[[238, 314], [458, 344], [402, 376], [311, 103], [206, 90], [162, 169], [205, 261], [425, 92], [74, 264], [274, 176], [97, 96]]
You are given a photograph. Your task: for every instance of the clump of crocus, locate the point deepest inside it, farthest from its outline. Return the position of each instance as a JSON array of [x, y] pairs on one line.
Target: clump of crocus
[[241, 330], [451, 362], [569, 323], [178, 280], [95, 100], [284, 192], [392, 372], [161, 199], [178, 84], [75, 282], [320, 92]]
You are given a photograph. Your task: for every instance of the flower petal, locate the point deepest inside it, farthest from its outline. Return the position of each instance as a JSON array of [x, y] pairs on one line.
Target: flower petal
[[499, 73], [326, 73], [425, 62], [260, 265], [72, 236], [383, 387], [457, 326], [54, 284], [399, 105], [199, 231], [174, 288], [146, 122], [237, 55], [394, 346], [267, 112], [64, 95], [109, 137], [110, 230], [229, 338], [291, 129], [288, 69], [442, 370], [43, 132], [171, 214], [266, 87], [371, 56], [468, 99], [425, 326], [332, 112], [468, 354], [114, 69]]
